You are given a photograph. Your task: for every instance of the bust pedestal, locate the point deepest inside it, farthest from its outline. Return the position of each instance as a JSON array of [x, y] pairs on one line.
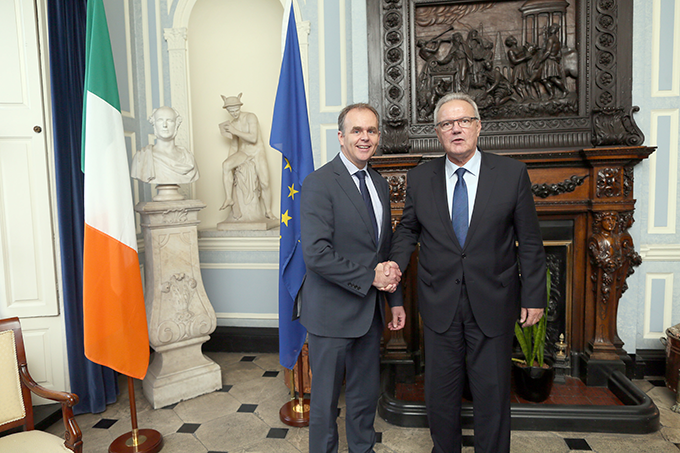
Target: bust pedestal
[[179, 313]]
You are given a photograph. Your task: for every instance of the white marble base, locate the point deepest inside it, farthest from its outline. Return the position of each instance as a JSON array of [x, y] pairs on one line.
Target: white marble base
[[168, 192], [264, 224], [180, 372]]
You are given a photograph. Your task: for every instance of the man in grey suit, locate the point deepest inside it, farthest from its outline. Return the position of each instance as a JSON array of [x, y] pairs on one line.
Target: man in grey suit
[[474, 216], [346, 237]]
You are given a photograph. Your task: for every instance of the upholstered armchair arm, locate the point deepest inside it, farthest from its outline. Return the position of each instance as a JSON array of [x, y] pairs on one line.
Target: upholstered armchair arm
[[73, 435]]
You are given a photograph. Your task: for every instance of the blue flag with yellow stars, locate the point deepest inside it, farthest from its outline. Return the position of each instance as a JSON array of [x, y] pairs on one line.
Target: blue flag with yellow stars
[[290, 135]]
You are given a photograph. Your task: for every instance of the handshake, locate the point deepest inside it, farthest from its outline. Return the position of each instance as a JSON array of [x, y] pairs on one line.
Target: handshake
[[387, 276]]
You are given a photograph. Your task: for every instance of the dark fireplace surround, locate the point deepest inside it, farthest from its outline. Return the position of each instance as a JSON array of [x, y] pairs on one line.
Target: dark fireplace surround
[[574, 128]]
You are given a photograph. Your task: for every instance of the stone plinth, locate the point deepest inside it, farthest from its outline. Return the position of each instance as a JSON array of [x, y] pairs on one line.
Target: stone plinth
[[179, 313]]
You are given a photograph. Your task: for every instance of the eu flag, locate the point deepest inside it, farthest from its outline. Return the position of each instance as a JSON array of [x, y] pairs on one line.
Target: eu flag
[[290, 135]]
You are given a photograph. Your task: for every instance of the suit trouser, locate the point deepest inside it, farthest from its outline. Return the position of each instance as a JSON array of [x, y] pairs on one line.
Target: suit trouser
[[358, 359], [488, 362]]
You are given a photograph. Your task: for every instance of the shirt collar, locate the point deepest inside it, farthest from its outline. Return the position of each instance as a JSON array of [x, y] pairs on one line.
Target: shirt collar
[[351, 168], [472, 166]]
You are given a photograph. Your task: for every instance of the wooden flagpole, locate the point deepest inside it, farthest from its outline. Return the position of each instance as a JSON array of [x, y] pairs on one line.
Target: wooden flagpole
[[137, 440]]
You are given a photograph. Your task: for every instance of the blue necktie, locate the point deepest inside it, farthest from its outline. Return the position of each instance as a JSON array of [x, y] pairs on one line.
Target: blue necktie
[[459, 210], [361, 174]]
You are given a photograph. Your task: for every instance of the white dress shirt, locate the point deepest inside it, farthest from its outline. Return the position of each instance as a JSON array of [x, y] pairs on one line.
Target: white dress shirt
[[375, 200], [471, 178]]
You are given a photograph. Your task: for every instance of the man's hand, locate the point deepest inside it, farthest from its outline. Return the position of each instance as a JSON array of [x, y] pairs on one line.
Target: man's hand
[[387, 276], [398, 318], [530, 316]]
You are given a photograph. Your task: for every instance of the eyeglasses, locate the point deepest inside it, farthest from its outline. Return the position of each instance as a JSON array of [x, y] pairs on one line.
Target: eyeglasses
[[463, 123]]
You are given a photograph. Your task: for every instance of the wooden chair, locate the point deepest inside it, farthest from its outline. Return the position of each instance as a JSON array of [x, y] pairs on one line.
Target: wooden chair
[[16, 409]]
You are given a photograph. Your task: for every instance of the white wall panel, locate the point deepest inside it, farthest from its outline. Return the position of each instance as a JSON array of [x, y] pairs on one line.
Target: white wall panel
[[339, 81], [666, 47], [329, 141], [657, 305], [663, 174]]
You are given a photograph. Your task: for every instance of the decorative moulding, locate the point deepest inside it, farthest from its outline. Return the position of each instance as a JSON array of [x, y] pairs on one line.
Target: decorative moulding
[[660, 252], [239, 244]]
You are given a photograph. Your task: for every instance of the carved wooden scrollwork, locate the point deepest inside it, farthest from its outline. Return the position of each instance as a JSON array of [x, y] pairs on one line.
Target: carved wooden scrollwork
[[548, 190], [627, 181], [395, 135], [608, 183], [616, 127], [397, 188]]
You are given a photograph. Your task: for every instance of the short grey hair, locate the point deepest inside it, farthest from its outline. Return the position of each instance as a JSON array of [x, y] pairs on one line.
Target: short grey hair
[[455, 97]]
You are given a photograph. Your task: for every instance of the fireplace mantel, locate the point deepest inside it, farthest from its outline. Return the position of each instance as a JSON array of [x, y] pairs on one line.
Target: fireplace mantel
[[572, 124], [591, 187]]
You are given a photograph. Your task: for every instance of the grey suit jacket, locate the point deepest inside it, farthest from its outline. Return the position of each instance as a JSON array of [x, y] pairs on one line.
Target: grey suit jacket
[[338, 296], [504, 214]]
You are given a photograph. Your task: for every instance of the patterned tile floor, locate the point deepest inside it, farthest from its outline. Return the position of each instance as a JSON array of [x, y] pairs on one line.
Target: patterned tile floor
[[244, 418]]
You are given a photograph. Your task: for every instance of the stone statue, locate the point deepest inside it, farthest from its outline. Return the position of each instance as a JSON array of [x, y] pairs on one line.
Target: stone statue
[[245, 171], [164, 162]]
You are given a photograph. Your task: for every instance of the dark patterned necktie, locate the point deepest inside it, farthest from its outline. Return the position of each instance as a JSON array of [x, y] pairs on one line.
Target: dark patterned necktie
[[367, 200]]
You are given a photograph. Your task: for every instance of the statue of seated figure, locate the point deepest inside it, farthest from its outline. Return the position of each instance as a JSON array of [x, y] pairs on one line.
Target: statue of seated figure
[[245, 172]]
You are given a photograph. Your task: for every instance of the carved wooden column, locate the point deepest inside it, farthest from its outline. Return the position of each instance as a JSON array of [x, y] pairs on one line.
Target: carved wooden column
[[612, 257]]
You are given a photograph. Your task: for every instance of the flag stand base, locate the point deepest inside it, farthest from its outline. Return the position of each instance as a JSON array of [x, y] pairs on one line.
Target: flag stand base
[[295, 414], [296, 411], [137, 440], [149, 441]]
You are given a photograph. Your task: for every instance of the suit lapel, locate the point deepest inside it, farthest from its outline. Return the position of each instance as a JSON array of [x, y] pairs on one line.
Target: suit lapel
[[486, 181], [441, 202], [346, 183]]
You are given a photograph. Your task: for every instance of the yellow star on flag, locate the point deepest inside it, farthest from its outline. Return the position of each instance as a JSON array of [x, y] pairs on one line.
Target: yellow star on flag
[[285, 217], [288, 165], [292, 191]]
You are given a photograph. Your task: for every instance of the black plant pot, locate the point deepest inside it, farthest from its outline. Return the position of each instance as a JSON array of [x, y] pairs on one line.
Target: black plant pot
[[533, 383]]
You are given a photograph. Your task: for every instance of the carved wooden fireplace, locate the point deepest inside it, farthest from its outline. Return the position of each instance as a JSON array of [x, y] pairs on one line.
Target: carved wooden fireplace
[[552, 79]]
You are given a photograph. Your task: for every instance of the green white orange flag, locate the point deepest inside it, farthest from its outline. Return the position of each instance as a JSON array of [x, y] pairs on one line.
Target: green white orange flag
[[114, 315]]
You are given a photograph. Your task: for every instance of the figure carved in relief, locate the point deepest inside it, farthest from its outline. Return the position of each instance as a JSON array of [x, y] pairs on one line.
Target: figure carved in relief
[[427, 50], [480, 50], [520, 58], [549, 72], [499, 89], [459, 58], [631, 258], [604, 245]]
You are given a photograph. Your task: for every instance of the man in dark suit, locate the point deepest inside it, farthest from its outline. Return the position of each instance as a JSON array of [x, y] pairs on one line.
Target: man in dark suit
[[346, 237], [474, 216]]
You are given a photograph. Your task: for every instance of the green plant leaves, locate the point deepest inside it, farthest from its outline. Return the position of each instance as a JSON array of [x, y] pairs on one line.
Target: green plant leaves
[[532, 339]]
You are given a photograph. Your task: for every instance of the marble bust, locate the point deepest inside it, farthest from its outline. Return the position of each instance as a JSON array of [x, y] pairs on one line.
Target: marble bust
[[164, 162]]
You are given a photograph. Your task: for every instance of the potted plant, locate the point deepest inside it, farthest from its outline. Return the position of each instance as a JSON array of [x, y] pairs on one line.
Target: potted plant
[[534, 374]]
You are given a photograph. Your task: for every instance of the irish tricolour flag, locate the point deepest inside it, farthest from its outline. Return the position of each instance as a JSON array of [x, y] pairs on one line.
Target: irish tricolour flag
[[113, 302]]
